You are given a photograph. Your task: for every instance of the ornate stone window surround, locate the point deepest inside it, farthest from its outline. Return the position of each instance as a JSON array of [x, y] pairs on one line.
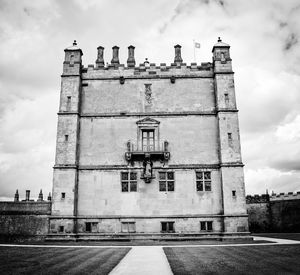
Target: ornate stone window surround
[[148, 124]]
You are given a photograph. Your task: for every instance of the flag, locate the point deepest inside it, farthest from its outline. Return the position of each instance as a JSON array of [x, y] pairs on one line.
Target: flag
[[197, 45]]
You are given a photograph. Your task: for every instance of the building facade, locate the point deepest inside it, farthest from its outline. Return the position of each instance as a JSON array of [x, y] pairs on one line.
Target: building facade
[[148, 149]]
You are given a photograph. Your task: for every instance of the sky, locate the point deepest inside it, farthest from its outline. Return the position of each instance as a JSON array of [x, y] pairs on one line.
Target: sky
[[264, 39]]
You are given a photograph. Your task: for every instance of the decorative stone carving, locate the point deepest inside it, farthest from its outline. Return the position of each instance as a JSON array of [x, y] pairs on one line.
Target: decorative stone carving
[[148, 93], [147, 173]]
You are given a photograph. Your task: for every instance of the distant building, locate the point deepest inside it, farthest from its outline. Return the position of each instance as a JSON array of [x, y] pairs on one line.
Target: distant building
[[148, 149]]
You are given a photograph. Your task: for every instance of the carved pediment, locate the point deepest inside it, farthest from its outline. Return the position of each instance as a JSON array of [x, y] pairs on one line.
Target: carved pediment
[[147, 120]]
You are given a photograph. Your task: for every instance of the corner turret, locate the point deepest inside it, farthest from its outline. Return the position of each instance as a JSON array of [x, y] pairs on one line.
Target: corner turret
[[221, 57], [73, 61]]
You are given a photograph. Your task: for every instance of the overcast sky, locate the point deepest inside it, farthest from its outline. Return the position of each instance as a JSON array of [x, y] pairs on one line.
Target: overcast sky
[[264, 38]]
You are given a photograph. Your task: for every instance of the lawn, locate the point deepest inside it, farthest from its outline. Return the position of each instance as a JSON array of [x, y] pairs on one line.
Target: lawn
[[279, 259], [53, 260]]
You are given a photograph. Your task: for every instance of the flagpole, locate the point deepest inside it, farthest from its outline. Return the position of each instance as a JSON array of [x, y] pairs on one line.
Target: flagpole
[[194, 50]]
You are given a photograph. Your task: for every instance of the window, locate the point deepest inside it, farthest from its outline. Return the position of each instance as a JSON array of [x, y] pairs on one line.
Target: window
[[88, 227], [129, 181], [66, 137], [148, 140], [230, 136], [61, 229], [148, 135], [206, 226], [226, 98], [128, 227], [68, 103], [167, 227], [166, 181], [203, 181], [91, 226], [63, 195], [223, 57], [233, 193]]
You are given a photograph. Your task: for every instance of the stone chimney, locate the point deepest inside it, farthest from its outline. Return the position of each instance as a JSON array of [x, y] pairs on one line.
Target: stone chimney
[[100, 59], [27, 195], [115, 57], [49, 197], [16, 196], [131, 60], [40, 198], [177, 58]]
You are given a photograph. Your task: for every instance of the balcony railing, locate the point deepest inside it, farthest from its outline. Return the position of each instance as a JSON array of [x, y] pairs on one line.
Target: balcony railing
[[159, 151]]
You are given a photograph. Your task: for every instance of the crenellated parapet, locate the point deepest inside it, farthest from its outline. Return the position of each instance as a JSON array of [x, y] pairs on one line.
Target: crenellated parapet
[[264, 198], [152, 71], [130, 70], [285, 196]]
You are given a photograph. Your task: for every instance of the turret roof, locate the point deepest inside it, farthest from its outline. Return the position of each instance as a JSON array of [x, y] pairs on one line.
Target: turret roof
[[74, 47]]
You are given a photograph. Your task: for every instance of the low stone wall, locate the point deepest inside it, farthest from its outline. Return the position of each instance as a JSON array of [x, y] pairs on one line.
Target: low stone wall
[[20, 220], [276, 213], [285, 215]]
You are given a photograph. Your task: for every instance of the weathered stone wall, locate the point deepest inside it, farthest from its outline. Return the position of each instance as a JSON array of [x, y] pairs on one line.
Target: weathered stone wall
[[100, 194], [259, 217], [24, 219], [270, 214], [109, 96], [192, 140], [285, 215]]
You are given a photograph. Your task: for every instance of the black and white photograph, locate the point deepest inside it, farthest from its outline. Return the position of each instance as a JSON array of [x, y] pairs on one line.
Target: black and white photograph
[[149, 137]]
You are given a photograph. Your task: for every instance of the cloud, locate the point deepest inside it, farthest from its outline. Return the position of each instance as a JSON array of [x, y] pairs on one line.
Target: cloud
[[291, 41], [266, 59]]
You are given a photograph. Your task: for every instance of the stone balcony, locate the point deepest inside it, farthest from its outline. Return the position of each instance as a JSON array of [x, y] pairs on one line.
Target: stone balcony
[[157, 152]]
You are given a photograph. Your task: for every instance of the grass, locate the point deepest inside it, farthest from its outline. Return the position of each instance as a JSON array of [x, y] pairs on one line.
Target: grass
[[289, 236], [51, 260], [279, 259]]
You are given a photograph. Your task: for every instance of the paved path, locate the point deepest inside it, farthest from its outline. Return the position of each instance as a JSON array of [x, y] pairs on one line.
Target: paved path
[[143, 260], [278, 241]]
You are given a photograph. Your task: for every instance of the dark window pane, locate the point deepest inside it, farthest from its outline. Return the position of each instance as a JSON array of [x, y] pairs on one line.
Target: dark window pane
[[133, 176], [170, 185], [199, 186], [162, 186], [207, 186], [162, 175], [209, 226], [207, 175], [170, 175], [199, 175], [202, 226], [124, 175], [133, 186], [124, 186], [88, 227], [163, 226], [171, 226]]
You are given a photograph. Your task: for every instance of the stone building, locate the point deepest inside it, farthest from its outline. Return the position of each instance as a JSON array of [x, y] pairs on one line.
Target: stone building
[[147, 149]]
